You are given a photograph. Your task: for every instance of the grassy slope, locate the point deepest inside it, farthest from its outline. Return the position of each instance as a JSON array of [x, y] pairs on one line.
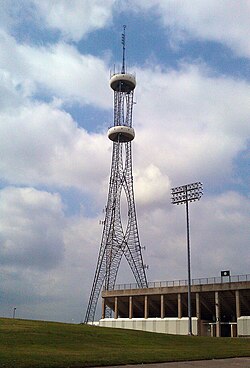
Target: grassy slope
[[45, 344]]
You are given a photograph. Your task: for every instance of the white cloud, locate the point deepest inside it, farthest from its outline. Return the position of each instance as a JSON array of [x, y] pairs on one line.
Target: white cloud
[[30, 228], [7, 14], [57, 293], [222, 241], [190, 123], [11, 98], [43, 145], [219, 236], [151, 186], [72, 19], [45, 256], [58, 70], [76, 18], [224, 21]]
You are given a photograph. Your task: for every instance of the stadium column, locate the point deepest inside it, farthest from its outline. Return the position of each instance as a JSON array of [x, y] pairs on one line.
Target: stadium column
[[103, 308], [198, 313], [217, 313], [130, 307], [179, 306], [162, 306], [116, 307], [237, 301], [146, 307]]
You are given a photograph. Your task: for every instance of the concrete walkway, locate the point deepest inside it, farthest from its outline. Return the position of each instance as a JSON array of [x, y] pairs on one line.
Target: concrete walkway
[[215, 363]]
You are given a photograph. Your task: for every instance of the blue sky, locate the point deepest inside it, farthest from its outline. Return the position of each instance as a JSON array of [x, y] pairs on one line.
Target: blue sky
[[191, 118]]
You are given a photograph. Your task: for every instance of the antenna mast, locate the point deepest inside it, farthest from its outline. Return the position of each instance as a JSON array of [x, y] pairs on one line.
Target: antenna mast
[[123, 50]]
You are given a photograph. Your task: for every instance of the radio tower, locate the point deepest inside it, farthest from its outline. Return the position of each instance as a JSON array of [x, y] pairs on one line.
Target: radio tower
[[118, 239]]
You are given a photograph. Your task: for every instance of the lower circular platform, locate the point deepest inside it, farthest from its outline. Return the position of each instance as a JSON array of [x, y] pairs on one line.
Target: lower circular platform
[[121, 133]]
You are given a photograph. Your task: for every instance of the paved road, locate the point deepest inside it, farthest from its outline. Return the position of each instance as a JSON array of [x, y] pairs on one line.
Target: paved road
[[215, 363]]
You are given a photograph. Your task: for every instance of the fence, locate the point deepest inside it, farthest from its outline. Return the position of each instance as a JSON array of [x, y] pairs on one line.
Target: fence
[[200, 281]]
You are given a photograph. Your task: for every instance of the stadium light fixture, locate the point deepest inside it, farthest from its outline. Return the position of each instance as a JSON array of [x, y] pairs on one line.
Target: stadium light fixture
[[182, 195]]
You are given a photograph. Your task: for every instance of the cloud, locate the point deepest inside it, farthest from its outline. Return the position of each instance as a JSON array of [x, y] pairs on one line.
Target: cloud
[[56, 291], [11, 98], [43, 145], [223, 240], [58, 71], [190, 123], [151, 186], [75, 19], [9, 11], [41, 142], [219, 236], [31, 223], [223, 21]]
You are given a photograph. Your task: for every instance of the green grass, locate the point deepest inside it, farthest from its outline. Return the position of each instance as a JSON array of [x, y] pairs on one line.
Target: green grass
[[48, 345]]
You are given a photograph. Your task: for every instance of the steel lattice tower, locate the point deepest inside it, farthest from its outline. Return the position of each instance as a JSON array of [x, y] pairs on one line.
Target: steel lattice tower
[[117, 239]]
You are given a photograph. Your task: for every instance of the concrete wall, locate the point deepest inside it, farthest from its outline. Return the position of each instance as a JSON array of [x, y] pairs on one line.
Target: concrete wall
[[243, 326], [175, 326]]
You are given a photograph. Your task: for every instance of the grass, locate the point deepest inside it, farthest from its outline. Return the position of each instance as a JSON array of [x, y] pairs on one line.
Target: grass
[[36, 344]]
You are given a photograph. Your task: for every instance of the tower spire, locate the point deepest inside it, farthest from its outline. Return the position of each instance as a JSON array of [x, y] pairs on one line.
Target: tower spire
[[123, 50]]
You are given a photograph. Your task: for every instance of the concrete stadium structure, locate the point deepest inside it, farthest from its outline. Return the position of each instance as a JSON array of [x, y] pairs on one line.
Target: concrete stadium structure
[[220, 306]]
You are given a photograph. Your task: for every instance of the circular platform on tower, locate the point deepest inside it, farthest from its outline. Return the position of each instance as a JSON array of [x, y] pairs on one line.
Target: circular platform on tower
[[122, 82], [121, 133]]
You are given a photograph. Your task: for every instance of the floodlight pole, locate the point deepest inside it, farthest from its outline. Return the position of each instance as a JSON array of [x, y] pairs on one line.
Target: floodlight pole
[[184, 194], [190, 332]]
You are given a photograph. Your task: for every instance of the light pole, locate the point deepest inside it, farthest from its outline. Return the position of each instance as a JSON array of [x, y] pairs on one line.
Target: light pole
[[14, 312], [184, 194]]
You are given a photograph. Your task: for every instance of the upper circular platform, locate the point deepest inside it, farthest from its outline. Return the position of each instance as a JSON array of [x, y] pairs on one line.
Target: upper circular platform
[[121, 133], [122, 82]]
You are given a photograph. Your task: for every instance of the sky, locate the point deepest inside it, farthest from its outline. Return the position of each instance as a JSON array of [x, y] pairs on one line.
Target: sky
[[191, 119]]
